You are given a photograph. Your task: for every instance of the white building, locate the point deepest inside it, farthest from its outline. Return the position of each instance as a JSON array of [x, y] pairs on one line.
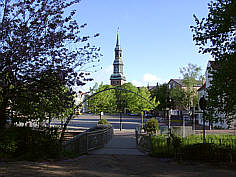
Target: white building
[[79, 99], [202, 91]]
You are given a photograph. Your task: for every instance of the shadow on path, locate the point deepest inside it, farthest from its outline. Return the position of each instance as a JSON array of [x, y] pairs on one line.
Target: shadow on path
[[122, 143]]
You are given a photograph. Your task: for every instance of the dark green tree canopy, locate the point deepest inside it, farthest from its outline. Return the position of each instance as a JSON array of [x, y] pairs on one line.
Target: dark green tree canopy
[[216, 35], [161, 93], [112, 101], [41, 52]]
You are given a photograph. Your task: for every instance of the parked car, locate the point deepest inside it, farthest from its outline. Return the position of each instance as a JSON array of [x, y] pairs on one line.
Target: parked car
[[133, 114], [148, 115], [78, 112], [186, 117]]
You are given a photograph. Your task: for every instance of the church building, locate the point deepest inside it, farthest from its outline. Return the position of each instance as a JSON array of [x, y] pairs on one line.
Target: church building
[[118, 78]]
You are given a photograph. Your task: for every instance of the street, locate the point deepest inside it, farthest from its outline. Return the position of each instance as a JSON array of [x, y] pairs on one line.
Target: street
[[86, 121]]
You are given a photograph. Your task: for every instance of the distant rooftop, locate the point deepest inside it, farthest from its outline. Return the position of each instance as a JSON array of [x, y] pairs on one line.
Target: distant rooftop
[[180, 82]]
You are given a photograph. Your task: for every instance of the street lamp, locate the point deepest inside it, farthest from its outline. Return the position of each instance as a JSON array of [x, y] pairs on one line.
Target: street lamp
[[121, 107], [193, 118], [202, 104], [168, 113], [169, 116], [183, 126]]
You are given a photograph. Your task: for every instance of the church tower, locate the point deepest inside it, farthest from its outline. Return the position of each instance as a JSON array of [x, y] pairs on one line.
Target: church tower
[[117, 78]]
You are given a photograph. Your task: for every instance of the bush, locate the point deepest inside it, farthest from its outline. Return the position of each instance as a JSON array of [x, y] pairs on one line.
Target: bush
[[176, 142], [207, 152], [26, 144], [160, 148], [103, 122], [151, 126], [192, 148]]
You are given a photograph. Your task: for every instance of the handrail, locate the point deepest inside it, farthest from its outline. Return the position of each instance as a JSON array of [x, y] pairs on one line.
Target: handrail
[[143, 140], [89, 140]]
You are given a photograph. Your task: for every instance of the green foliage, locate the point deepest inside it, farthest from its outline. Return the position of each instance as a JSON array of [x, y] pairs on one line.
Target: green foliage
[[27, 144], [103, 122], [38, 66], [143, 105], [191, 77], [207, 152], [215, 35], [102, 102], [161, 95], [7, 145], [129, 100], [217, 147], [151, 126], [160, 147], [176, 141], [177, 95], [111, 101]]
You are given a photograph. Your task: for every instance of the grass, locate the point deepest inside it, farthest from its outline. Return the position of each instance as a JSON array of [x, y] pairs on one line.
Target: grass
[[216, 148], [225, 140]]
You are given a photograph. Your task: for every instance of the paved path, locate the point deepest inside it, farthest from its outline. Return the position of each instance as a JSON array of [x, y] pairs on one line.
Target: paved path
[[122, 143]]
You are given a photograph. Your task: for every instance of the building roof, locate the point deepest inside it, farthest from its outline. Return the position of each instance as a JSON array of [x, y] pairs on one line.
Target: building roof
[[180, 82], [151, 87]]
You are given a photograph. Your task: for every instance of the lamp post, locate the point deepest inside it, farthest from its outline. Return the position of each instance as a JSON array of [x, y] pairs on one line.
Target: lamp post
[[120, 121], [202, 104], [141, 120], [168, 114], [169, 117], [183, 126], [193, 118], [121, 108]]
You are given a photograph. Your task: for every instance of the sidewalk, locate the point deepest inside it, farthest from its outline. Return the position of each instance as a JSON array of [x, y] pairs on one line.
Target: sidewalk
[[122, 143]]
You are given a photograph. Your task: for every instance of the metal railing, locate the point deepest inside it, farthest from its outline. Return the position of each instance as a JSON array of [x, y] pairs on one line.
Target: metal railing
[[143, 140], [89, 140]]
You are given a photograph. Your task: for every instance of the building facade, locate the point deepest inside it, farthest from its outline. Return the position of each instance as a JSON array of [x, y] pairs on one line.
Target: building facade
[[211, 66], [118, 78]]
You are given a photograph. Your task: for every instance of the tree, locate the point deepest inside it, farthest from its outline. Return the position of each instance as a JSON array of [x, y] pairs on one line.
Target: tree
[[117, 100], [161, 95], [191, 77], [130, 100], [104, 101], [54, 100], [178, 95], [36, 39], [215, 35], [143, 105]]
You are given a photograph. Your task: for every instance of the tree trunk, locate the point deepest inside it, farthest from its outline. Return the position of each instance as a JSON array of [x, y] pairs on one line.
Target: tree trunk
[[3, 116], [65, 127]]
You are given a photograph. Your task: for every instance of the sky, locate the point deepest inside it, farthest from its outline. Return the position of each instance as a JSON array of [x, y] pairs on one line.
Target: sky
[[155, 37]]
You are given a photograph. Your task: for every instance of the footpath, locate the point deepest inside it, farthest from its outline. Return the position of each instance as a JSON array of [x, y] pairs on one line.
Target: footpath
[[122, 143]]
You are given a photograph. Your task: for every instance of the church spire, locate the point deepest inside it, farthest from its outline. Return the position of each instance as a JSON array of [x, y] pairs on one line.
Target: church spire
[[118, 40], [117, 78]]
